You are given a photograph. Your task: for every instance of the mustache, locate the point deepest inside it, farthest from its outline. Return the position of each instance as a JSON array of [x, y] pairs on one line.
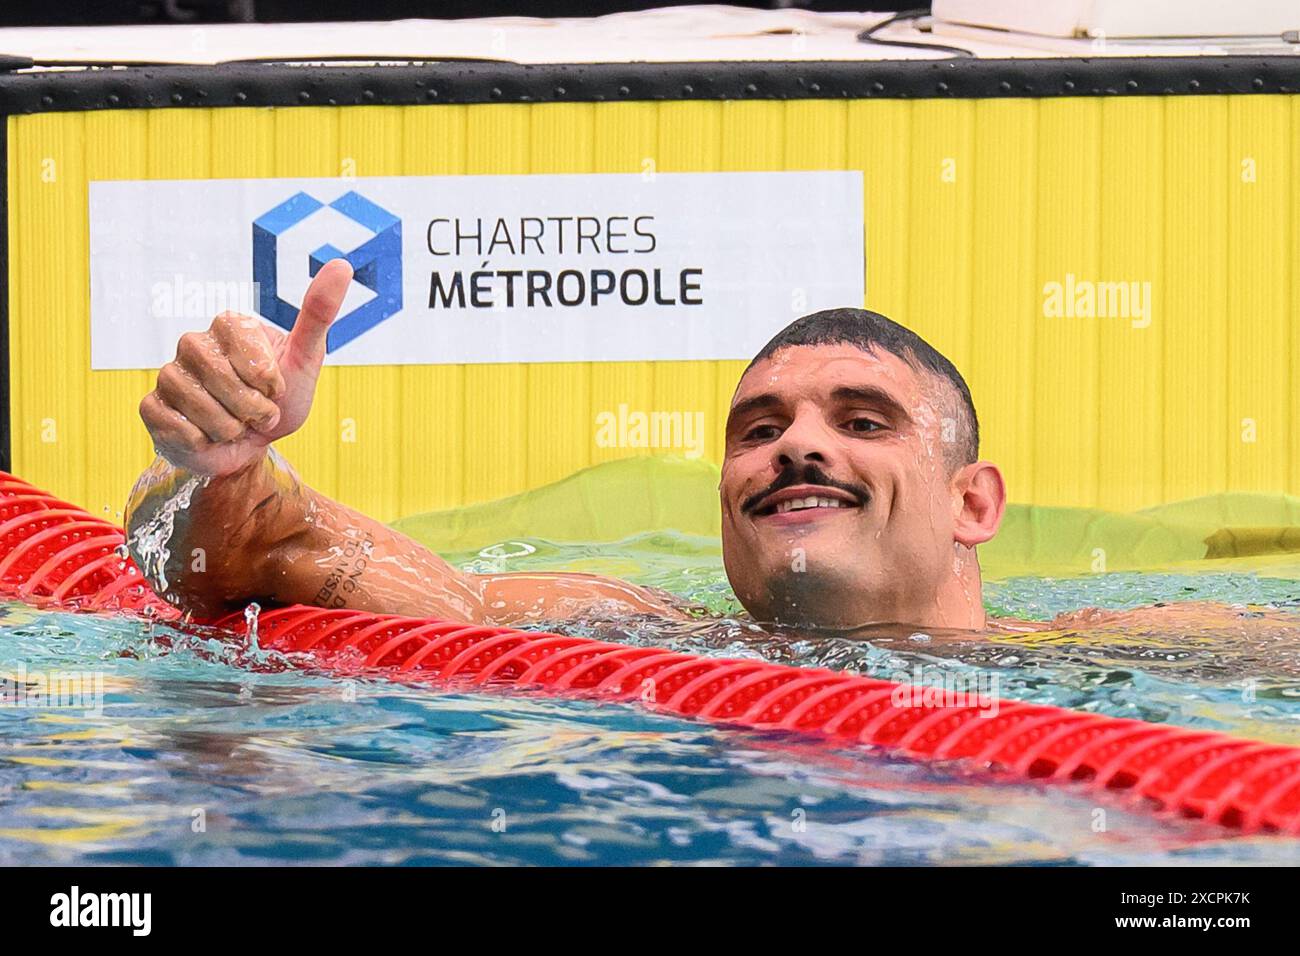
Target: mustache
[[809, 474]]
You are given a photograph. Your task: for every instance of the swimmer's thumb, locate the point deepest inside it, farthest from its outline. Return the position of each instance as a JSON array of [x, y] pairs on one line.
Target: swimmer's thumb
[[306, 345]]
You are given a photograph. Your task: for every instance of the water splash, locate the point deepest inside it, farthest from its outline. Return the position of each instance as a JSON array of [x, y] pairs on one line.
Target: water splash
[[251, 614], [123, 555], [497, 558], [149, 542], [149, 613]]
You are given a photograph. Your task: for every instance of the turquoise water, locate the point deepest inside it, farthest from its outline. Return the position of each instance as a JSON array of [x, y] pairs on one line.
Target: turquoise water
[[194, 758]]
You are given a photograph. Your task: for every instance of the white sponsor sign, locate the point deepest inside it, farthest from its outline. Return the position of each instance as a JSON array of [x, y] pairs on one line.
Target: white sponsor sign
[[450, 269]]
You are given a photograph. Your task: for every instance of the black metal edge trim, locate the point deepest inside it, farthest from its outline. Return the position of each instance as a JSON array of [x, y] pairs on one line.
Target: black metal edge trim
[[6, 446], [280, 84]]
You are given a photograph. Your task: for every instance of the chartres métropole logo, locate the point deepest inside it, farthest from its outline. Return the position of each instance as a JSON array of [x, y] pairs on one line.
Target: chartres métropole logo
[[377, 262]]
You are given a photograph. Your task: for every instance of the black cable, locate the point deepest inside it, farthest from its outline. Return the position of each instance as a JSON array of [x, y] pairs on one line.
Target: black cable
[[869, 35]]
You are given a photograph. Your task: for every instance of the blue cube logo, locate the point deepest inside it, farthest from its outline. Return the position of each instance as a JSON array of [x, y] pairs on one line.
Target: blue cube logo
[[377, 262]]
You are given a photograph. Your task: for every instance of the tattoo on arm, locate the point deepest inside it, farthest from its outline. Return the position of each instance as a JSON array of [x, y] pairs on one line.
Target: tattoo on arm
[[344, 576]]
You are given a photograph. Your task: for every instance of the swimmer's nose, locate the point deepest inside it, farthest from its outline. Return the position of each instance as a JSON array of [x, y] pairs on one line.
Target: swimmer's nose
[[803, 442], [785, 460]]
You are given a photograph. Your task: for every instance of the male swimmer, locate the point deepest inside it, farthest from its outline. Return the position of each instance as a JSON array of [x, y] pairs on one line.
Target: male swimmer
[[852, 490]]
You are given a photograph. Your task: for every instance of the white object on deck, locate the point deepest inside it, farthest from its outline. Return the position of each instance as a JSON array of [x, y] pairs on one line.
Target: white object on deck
[[1126, 19], [679, 34]]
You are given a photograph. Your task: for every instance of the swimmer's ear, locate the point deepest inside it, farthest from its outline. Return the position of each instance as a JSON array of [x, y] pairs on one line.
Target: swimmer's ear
[[980, 498]]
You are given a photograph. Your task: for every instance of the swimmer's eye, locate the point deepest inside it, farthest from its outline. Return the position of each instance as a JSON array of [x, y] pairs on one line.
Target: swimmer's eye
[[762, 433], [864, 425]]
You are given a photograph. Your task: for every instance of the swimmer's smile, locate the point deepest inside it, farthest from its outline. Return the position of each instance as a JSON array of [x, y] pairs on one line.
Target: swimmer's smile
[[803, 504]]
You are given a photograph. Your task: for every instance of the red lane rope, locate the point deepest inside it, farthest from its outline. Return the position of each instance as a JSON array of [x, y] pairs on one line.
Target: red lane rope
[[54, 554]]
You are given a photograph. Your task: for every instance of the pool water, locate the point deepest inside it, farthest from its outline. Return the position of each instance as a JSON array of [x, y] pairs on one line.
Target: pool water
[[194, 757]]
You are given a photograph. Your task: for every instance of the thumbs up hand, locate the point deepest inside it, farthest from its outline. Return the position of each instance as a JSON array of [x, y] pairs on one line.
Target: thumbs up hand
[[239, 386]]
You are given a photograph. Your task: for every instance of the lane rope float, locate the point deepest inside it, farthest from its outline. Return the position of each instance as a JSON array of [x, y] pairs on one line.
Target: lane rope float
[[54, 554]]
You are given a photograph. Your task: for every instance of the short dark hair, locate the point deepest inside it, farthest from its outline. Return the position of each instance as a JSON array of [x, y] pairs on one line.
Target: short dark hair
[[870, 331]]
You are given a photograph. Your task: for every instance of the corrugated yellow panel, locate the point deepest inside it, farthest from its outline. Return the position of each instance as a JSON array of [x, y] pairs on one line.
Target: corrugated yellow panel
[[1130, 409], [49, 341], [815, 138], [941, 169], [972, 209], [1064, 371], [1259, 264], [563, 138], [617, 389], [878, 140], [623, 140], [753, 139], [1293, 301], [689, 388], [690, 136], [557, 425], [730, 136], [1196, 422], [243, 142], [816, 134], [624, 137], [648, 140], [1005, 302], [621, 389], [496, 421], [116, 148], [432, 409]]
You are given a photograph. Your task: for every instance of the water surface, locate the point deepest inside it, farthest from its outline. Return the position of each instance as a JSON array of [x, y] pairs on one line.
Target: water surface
[[194, 758]]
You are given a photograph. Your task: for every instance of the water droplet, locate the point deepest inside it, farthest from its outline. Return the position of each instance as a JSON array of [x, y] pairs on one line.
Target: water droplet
[[250, 618]]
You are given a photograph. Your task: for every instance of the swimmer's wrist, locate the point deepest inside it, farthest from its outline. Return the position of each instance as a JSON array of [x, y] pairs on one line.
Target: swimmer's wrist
[[172, 512], [163, 479]]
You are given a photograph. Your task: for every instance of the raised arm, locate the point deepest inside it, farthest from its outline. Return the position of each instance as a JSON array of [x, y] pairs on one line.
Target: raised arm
[[220, 519]]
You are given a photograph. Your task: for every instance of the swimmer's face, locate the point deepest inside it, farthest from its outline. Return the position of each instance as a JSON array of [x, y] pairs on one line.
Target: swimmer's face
[[863, 435]]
